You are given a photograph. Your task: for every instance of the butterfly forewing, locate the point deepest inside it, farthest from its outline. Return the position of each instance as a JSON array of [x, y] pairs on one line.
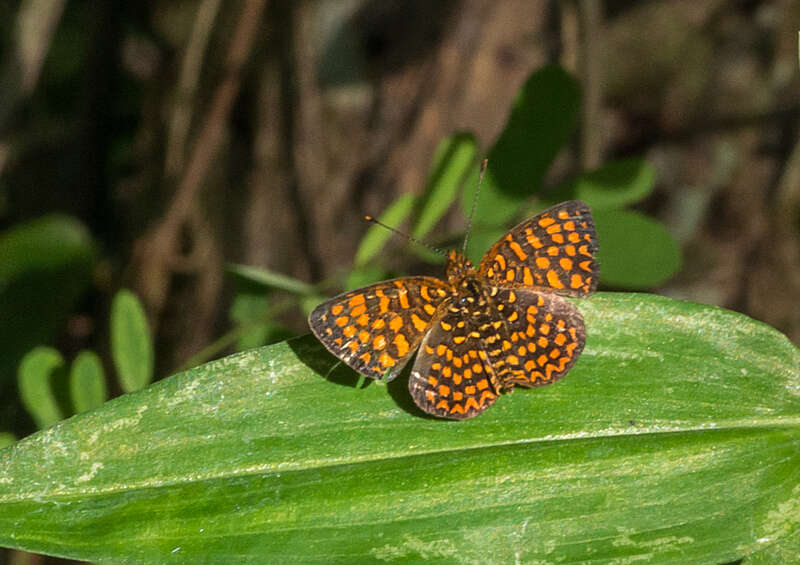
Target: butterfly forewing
[[375, 329], [553, 251]]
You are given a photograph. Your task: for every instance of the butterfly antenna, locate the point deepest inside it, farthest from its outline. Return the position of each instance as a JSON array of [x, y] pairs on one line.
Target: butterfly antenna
[[484, 164], [413, 240]]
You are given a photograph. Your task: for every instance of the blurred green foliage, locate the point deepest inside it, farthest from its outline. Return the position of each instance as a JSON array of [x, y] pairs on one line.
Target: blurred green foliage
[[636, 252], [39, 375], [50, 392], [45, 268], [87, 382], [376, 236], [452, 160], [131, 342]]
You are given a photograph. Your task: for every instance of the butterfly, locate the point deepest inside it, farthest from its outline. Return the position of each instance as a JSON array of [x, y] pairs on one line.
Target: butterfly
[[483, 330]]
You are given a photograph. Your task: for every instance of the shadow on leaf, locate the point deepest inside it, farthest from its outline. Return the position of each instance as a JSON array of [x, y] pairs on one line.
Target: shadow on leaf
[[313, 354], [398, 390]]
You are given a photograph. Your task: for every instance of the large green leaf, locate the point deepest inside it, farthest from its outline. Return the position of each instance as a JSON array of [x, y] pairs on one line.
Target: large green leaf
[[675, 439]]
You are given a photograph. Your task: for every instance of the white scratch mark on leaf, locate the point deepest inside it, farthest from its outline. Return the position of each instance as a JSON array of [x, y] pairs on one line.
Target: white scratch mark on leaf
[[783, 520], [91, 474], [423, 550]]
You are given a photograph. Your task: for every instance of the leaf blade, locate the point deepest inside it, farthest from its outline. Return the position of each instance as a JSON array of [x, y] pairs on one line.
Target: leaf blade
[[131, 342], [36, 387], [635, 251], [267, 279], [87, 382], [451, 162]]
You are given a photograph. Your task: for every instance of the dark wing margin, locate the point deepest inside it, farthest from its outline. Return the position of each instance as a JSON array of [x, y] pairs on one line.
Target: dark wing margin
[[375, 329], [555, 251]]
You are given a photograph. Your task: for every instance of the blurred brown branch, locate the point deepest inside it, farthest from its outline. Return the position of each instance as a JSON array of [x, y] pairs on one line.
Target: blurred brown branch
[[33, 31], [156, 251], [192, 63]]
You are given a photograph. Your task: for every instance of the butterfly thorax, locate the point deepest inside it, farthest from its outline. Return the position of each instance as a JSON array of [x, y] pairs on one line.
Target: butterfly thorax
[[468, 288]]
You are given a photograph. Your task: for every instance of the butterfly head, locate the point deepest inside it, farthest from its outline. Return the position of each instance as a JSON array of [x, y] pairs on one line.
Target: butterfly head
[[458, 267]]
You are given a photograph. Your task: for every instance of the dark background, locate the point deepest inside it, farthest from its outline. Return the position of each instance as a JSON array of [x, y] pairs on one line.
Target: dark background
[[186, 135]]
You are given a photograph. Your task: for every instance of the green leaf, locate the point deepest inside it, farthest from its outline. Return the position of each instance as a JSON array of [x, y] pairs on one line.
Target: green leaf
[[495, 207], [45, 267], [614, 185], [265, 278], [542, 120], [635, 251], [308, 303], [43, 244], [87, 381], [37, 388], [453, 159], [673, 440], [6, 438], [252, 313], [377, 236], [131, 342], [363, 276]]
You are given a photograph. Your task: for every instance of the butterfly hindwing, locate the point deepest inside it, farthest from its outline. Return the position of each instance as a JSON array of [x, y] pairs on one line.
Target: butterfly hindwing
[[539, 337], [451, 377]]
